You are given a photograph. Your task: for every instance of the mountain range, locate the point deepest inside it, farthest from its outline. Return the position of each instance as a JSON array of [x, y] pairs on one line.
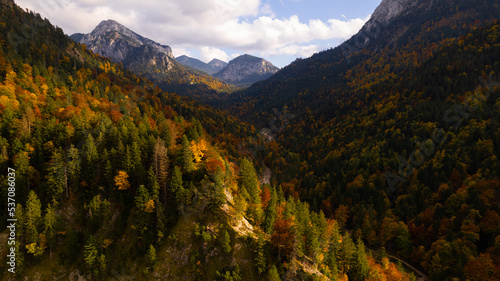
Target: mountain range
[[243, 70], [155, 61], [147, 58], [211, 67]]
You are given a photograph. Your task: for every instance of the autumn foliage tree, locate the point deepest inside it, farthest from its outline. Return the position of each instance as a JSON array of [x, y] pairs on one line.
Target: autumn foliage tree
[[121, 180]]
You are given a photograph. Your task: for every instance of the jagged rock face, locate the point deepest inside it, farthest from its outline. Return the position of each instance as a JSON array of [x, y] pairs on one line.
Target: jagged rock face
[[120, 44], [390, 9], [246, 69]]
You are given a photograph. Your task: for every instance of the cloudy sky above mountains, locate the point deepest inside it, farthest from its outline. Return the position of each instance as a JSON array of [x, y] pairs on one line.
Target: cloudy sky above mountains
[[278, 30]]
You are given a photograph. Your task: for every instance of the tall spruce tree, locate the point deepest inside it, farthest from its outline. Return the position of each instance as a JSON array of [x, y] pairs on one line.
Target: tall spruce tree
[[32, 215], [73, 166], [90, 157], [273, 274], [57, 177], [49, 222], [270, 212], [176, 187], [361, 268], [187, 155], [248, 180], [160, 164]]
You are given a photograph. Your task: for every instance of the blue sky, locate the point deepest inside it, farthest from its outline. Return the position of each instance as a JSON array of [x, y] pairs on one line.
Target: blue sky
[[277, 30]]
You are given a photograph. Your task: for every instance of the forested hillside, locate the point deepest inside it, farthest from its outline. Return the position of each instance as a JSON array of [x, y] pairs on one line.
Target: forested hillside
[[413, 155], [397, 138], [116, 179]]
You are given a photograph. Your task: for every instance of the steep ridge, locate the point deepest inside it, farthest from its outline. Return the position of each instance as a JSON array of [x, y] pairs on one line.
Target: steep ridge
[[412, 30], [386, 133]]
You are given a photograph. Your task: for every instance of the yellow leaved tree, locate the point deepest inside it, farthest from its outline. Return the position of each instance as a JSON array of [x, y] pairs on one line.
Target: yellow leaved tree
[[198, 149], [150, 206], [121, 180]]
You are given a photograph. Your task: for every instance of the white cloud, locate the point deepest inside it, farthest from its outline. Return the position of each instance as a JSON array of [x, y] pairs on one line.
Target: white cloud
[[266, 9], [179, 51], [301, 51], [197, 24], [209, 53]]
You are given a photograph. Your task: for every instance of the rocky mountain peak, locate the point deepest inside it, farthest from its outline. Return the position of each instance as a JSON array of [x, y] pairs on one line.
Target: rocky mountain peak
[[246, 69], [110, 26], [107, 25], [389, 10], [112, 39]]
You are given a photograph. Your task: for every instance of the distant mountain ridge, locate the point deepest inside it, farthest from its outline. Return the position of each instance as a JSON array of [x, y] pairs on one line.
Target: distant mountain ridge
[[242, 71], [246, 69], [212, 67]]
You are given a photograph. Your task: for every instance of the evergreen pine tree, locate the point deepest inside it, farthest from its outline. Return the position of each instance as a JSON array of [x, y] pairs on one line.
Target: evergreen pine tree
[[273, 274], [312, 243], [73, 166], [347, 256], [260, 257], [153, 185], [23, 168], [281, 195], [151, 255], [160, 164], [57, 174], [90, 157], [361, 267], [218, 197], [141, 198], [49, 222], [270, 212], [176, 184], [187, 155], [32, 215], [226, 242], [248, 180]]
